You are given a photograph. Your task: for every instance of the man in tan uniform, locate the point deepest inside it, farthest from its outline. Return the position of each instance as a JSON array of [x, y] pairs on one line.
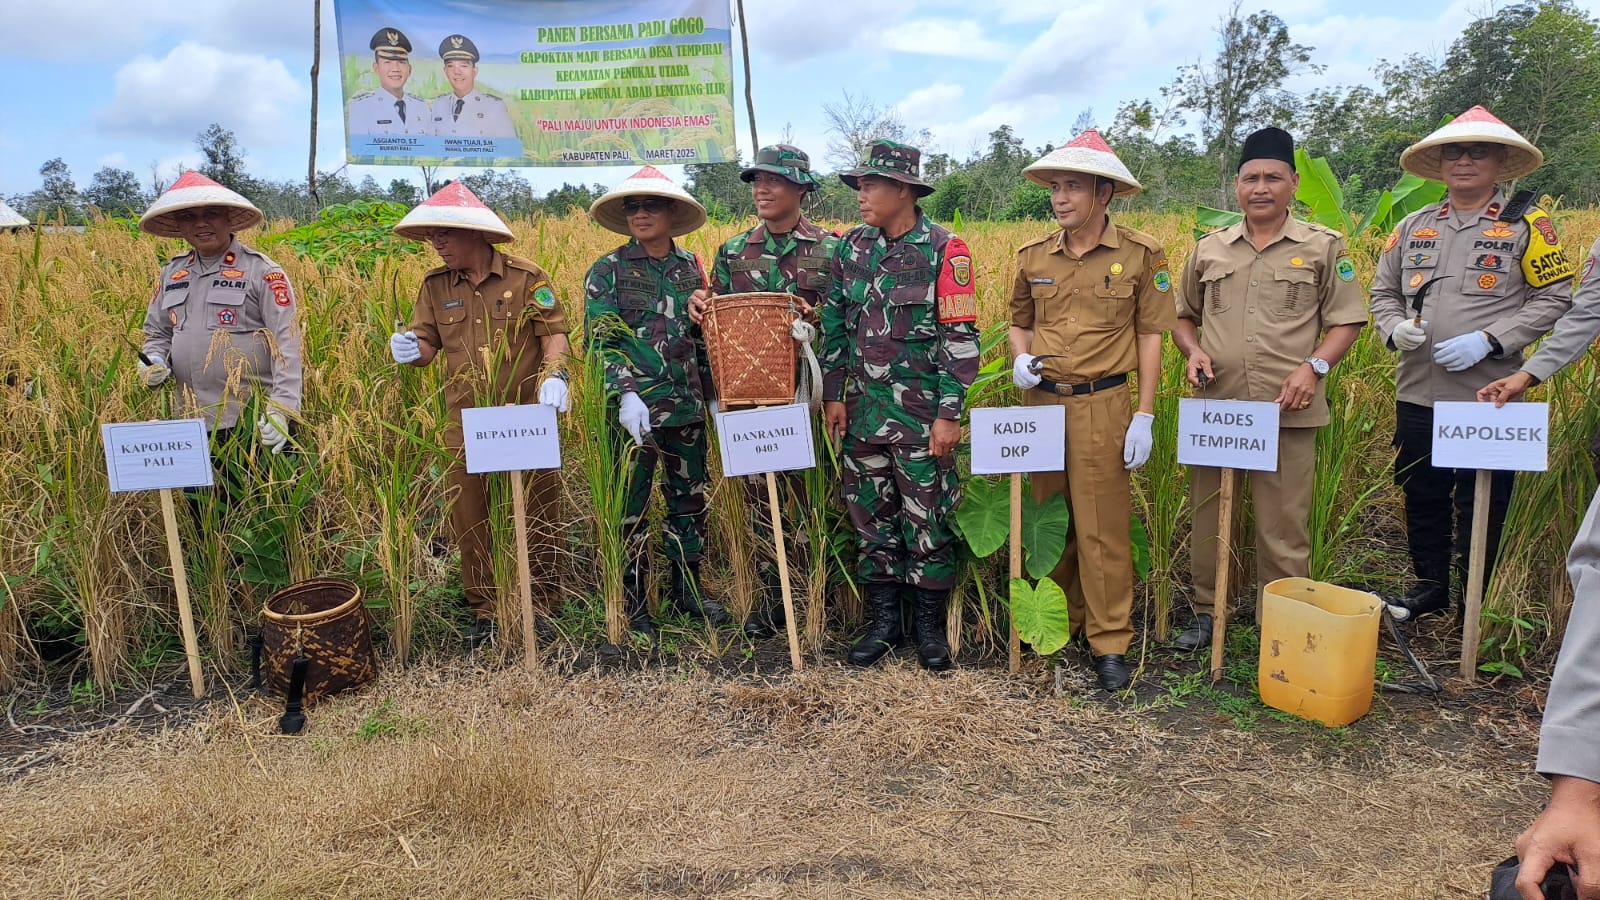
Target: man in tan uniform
[[1268, 307], [1506, 279], [1089, 305], [498, 322], [222, 319]]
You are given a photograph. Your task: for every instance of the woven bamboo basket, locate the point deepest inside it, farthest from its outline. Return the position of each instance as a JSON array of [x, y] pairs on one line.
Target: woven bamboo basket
[[752, 353], [324, 620]]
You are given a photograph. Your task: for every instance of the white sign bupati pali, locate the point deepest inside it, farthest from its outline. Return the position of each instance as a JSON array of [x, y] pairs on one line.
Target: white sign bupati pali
[[1228, 434], [511, 438], [1468, 435], [1011, 439], [769, 439], [151, 456]]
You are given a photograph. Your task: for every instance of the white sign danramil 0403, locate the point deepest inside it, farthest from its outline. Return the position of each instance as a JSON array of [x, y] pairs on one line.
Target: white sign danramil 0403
[[769, 439], [1011, 439], [511, 438], [150, 456], [1228, 434], [1515, 437]]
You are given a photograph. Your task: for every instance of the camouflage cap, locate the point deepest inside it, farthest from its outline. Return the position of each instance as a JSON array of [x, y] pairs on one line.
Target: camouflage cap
[[893, 160], [785, 161]]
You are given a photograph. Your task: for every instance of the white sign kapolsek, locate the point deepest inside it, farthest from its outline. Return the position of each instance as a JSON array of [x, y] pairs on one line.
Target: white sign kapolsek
[[1228, 434], [511, 438], [1515, 437], [769, 439], [1011, 439], [149, 456]]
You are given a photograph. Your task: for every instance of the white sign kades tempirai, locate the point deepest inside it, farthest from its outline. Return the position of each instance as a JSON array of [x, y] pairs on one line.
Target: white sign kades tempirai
[[151, 456], [1228, 434], [1469, 435], [1011, 439], [769, 439], [511, 438]]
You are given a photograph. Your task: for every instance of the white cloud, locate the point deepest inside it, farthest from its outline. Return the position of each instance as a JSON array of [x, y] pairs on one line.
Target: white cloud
[[925, 104], [114, 160], [194, 85], [942, 37], [964, 136]]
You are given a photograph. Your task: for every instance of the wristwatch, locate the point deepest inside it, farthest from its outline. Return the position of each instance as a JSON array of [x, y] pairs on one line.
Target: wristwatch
[[1319, 366]]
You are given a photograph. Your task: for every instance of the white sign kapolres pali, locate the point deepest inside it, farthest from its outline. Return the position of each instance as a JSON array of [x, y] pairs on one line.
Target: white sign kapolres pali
[[152, 456]]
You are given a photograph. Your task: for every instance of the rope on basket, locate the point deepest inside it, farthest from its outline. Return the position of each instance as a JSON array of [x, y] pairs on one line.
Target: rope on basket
[[808, 387]]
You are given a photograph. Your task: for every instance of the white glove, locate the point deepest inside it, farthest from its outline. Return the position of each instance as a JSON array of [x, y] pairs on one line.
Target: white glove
[[1408, 335], [634, 417], [713, 407], [1137, 444], [554, 393], [404, 347], [1021, 376], [1462, 351], [273, 431], [155, 373]]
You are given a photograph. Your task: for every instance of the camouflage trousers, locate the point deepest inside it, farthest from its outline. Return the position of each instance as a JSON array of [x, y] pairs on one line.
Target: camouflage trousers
[[680, 454], [900, 498]]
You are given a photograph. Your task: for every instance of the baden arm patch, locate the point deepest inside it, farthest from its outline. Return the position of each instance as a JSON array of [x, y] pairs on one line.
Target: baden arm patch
[[1545, 261], [958, 299]]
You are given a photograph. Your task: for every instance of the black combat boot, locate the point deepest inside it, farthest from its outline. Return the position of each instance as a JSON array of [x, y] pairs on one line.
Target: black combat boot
[[883, 632], [636, 590], [1197, 636], [928, 615], [767, 617], [688, 596]]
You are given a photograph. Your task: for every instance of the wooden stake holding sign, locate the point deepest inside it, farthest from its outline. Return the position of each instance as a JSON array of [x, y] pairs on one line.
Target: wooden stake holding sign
[[1515, 437], [1014, 643], [515, 439], [1219, 625], [164, 456]]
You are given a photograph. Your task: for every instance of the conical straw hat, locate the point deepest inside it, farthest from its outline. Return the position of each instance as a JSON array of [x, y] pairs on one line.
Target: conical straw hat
[[648, 182], [452, 206], [193, 190], [10, 218], [1475, 126], [1087, 153]]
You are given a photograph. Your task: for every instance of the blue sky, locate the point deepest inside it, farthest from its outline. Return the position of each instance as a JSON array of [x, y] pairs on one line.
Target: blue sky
[[109, 82]]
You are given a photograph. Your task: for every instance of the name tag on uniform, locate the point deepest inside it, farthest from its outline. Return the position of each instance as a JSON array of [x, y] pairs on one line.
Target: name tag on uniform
[[1041, 281], [454, 304]]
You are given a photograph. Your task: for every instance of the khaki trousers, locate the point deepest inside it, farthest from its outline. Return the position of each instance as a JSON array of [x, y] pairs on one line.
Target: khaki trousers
[[1096, 571], [469, 519], [1282, 503]]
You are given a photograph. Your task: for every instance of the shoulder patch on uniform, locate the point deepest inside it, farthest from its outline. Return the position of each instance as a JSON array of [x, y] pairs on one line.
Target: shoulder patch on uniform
[[544, 296], [274, 276], [1588, 266], [1393, 241], [1344, 268], [1163, 278], [281, 294], [1545, 261], [958, 301]]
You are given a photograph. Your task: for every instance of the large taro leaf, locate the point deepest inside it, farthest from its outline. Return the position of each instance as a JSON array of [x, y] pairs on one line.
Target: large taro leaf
[[1044, 534], [984, 515], [1040, 613]]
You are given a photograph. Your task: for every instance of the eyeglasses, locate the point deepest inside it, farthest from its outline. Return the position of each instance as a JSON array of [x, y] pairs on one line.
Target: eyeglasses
[[1454, 152], [646, 204]]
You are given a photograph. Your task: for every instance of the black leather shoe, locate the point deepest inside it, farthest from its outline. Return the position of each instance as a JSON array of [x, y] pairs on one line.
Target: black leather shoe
[[1426, 599], [1197, 635], [883, 632], [1111, 671], [482, 634]]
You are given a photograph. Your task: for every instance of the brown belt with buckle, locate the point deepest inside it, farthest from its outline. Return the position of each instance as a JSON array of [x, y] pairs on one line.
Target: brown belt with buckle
[[1088, 387]]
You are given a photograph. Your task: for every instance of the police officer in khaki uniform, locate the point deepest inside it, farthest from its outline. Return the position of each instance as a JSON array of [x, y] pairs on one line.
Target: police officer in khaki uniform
[[503, 333], [391, 109], [1089, 306], [221, 322], [1268, 307], [467, 111], [1504, 280]]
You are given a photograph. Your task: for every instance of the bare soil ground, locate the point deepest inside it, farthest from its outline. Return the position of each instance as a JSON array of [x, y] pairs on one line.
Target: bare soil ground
[[689, 775]]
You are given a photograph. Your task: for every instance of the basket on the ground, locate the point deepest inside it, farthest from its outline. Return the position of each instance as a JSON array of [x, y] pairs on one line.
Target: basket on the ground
[[323, 621], [752, 352]]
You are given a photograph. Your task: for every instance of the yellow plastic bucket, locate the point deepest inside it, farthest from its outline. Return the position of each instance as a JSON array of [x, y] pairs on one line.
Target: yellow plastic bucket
[[1319, 643]]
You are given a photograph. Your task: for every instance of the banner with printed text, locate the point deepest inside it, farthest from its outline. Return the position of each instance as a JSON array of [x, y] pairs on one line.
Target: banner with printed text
[[536, 82]]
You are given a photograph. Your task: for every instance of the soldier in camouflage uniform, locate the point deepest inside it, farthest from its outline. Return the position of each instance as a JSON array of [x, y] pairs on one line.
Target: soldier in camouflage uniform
[[637, 312], [900, 349], [787, 254]]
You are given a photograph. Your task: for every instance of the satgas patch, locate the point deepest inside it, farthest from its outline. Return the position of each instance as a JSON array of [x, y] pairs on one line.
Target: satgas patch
[[1162, 279], [958, 301], [1344, 268], [1545, 261]]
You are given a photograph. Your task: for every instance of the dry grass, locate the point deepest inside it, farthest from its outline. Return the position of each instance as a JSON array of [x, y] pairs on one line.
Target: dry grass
[[457, 783]]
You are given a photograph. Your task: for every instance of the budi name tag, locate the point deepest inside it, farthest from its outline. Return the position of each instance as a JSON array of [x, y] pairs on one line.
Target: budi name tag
[[1011, 439], [1515, 437], [150, 456], [1228, 434], [770, 439], [511, 438]]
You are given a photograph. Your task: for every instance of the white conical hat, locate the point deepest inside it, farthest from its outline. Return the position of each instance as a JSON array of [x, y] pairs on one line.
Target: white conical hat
[[1476, 125], [648, 182], [452, 206], [1088, 153], [10, 218], [193, 190]]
